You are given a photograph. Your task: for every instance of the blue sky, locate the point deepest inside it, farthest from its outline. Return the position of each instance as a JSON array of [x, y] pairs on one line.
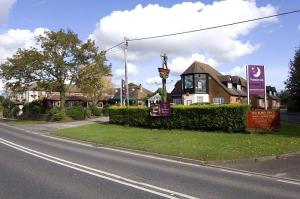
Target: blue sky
[[270, 42]]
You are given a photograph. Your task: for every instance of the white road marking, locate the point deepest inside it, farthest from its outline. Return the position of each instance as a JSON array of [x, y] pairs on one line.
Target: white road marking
[[220, 168], [236, 172], [289, 182], [101, 174]]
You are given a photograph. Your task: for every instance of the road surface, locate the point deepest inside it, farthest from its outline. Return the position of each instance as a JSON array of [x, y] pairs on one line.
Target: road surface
[[37, 166]]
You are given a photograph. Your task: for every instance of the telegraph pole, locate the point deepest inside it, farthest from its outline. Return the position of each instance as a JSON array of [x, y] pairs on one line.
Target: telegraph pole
[[126, 72]]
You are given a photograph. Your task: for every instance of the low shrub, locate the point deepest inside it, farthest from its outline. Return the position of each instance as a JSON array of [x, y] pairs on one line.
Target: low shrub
[[229, 118], [76, 112], [10, 110], [16, 111], [88, 113], [105, 110], [56, 114], [59, 116], [34, 107], [95, 111], [7, 113]]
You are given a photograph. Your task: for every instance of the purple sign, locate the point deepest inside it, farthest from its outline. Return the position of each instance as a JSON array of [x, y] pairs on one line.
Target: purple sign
[[165, 110], [160, 110], [256, 80], [123, 88]]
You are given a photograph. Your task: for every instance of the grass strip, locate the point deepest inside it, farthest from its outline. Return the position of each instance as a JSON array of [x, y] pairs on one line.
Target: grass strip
[[190, 144]]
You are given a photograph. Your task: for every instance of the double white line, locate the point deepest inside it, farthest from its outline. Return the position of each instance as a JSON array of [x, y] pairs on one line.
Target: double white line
[[101, 174]]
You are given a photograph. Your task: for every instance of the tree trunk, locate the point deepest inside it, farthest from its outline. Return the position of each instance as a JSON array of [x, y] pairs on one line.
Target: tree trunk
[[62, 99]]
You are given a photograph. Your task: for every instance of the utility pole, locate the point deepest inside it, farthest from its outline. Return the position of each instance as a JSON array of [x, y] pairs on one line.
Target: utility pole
[[126, 72]]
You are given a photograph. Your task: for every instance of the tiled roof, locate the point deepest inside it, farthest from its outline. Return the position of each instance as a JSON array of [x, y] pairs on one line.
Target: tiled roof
[[177, 89], [68, 98]]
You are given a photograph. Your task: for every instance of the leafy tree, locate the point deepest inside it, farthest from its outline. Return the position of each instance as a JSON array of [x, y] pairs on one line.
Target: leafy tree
[[293, 83], [132, 85], [94, 79], [56, 61], [159, 91]]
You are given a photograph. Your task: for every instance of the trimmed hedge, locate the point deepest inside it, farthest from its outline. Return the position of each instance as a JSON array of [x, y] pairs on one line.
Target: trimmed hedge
[[229, 118]]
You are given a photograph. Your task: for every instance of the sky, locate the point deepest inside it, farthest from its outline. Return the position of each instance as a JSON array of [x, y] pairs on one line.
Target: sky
[[270, 42]]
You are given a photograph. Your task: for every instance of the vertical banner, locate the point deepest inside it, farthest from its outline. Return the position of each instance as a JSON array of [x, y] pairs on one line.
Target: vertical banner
[[123, 88], [256, 80]]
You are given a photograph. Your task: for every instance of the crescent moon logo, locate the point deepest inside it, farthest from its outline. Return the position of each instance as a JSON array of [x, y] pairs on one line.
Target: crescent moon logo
[[258, 73]]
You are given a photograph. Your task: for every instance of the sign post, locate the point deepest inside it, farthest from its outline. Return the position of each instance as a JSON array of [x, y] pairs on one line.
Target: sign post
[[256, 82]]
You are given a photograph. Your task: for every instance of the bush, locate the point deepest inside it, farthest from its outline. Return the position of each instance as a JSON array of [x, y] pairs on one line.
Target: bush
[[95, 111], [34, 107], [230, 118], [105, 110], [9, 109], [15, 111], [57, 114], [88, 113], [7, 113], [76, 112]]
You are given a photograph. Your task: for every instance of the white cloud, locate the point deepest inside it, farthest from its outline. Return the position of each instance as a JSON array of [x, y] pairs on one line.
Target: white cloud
[[132, 70], [237, 71], [223, 44], [17, 38], [5, 6], [180, 64], [153, 80]]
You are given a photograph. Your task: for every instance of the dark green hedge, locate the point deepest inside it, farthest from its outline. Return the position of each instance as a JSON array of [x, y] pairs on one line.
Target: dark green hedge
[[229, 118]]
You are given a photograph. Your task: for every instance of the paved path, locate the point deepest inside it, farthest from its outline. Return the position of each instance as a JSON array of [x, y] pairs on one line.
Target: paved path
[[54, 126], [38, 166]]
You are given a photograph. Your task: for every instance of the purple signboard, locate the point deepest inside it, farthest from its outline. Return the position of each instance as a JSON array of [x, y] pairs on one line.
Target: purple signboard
[[160, 110], [123, 88], [165, 109], [256, 80]]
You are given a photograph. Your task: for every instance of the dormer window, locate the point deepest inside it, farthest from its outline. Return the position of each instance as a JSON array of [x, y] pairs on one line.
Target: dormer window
[[239, 87], [188, 82], [229, 84], [201, 83]]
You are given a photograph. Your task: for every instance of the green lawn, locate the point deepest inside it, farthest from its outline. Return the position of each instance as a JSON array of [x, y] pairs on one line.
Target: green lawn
[[190, 144]]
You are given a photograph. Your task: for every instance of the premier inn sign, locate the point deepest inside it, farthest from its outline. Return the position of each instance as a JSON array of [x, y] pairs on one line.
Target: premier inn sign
[[256, 79]]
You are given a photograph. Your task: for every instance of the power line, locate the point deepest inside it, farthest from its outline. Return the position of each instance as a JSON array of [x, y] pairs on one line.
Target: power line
[[213, 27], [119, 44]]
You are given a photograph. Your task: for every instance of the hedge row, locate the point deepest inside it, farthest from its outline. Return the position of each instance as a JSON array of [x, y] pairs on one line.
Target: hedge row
[[229, 118]]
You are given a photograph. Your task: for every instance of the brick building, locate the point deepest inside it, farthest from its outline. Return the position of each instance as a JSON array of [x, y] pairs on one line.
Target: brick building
[[201, 83]]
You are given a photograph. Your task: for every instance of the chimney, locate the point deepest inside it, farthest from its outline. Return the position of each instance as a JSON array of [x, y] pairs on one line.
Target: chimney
[[141, 88]]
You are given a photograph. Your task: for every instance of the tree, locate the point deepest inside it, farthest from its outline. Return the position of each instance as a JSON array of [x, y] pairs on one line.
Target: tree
[[94, 80], [57, 60], [293, 83]]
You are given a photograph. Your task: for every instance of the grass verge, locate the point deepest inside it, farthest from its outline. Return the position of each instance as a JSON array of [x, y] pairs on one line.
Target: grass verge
[[190, 144]]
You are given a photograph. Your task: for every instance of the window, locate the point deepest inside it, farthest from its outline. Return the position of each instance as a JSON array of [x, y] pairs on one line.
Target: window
[[239, 87], [218, 100], [200, 83], [188, 81], [229, 85], [177, 101]]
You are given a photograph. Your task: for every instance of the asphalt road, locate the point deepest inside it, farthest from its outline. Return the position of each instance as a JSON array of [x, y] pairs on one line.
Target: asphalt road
[[36, 166]]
